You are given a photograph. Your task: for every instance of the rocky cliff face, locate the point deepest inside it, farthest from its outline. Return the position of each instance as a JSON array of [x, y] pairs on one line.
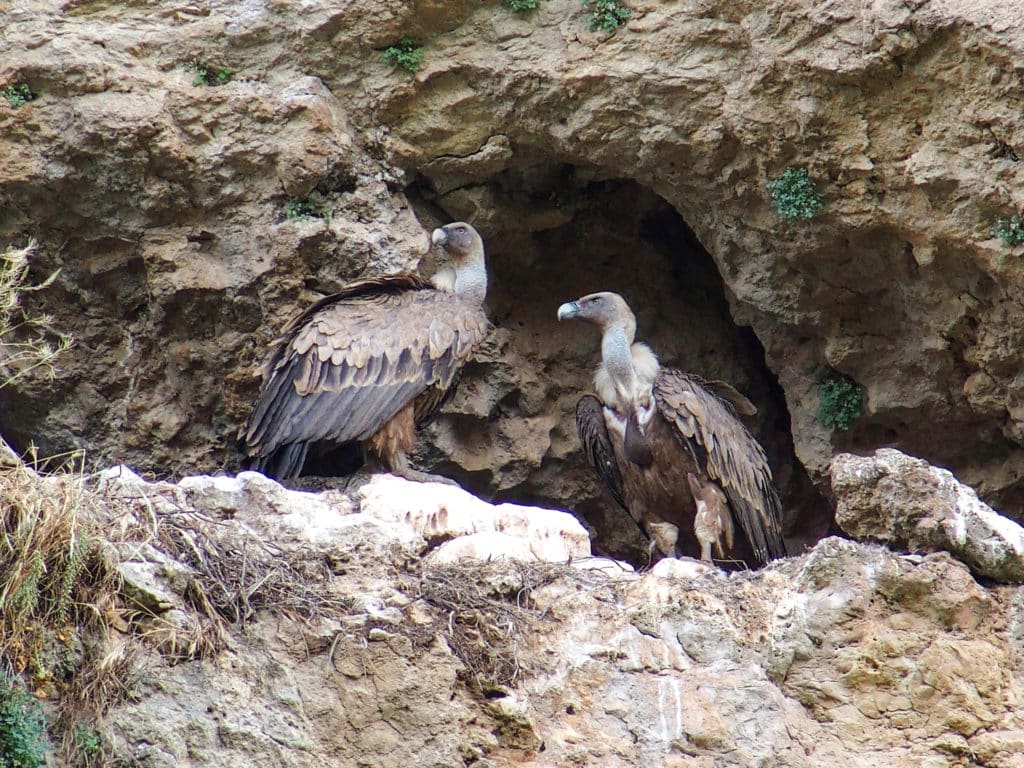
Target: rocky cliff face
[[637, 161], [415, 625]]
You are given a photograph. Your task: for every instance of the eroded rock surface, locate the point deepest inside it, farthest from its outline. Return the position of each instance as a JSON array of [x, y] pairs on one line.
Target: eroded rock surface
[[637, 161], [907, 504], [848, 655]]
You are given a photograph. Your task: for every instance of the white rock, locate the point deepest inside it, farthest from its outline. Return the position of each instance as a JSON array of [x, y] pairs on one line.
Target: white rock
[[437, 511], [681, 568]]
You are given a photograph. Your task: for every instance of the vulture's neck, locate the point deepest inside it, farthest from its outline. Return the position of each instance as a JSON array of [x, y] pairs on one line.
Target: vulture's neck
[[618, 360], [466, 277], [627, 370]]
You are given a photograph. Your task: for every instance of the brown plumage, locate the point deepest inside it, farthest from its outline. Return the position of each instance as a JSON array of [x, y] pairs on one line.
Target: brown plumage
[[371, 362], [671, 449]]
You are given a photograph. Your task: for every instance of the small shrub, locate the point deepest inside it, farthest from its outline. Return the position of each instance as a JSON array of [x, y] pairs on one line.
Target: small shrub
[[794, 196], [406, 54], [22, 727], [85, 746], [212, 76], [606, 15], [521, 6], [840, 401], [1010, 231], [306, 209], [18, 94]]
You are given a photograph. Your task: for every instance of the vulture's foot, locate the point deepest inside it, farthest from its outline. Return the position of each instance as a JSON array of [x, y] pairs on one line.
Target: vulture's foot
[[423, 477], [358, 479]]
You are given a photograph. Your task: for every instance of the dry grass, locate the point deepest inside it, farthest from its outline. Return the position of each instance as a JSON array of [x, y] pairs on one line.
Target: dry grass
[[58, 594], [230, 575], [484, 610], [238, 574], [55, 578], [26, 343]]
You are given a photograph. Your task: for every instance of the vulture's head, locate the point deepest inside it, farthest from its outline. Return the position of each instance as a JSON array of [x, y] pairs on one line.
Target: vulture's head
[[459, 239], [604, 309]]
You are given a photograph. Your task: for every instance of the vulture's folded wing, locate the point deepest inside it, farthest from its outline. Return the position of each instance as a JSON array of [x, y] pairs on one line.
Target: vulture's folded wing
[[730, 455], [350, 362], [598, 446]]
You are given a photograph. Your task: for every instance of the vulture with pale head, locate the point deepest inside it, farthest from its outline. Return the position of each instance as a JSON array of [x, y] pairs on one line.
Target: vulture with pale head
[[671, 449], [371, 362]]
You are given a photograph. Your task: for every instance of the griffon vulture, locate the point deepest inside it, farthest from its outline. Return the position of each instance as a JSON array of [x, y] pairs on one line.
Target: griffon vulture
[[371, 362], [671, 450]]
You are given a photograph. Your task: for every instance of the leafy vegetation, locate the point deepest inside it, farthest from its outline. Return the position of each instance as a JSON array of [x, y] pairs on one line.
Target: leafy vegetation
[[310, 208], [86, 744], [840, 401], [606, 15], [794, 196], [1010, 231], [18, 94], [23, 739], [405, 54], [207, 74], [521, 6]]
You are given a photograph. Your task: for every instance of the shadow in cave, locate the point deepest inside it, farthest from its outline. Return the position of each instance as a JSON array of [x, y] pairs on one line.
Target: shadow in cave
[[554, 233]]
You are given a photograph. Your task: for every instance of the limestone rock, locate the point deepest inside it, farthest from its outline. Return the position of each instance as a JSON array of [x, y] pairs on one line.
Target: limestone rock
[[849, 654], [440, 513], [907, 504]]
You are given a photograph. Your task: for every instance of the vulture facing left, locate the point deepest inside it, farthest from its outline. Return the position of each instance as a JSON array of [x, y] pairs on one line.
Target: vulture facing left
[[371, 363], [671, 449]]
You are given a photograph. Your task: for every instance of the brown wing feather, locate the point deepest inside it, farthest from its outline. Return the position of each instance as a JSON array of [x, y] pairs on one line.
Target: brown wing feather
[[598, 446], [347, 364], [730, 455]]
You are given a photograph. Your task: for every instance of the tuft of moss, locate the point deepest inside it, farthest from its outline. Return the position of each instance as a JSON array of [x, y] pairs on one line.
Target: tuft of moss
[[209, 75], [606, 15], [1010, 231], [794, 196], [23, 741], [840, 401], [18, 94], [405, 54]]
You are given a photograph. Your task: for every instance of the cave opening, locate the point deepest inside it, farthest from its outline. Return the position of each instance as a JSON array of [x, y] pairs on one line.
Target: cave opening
[[554, 233]]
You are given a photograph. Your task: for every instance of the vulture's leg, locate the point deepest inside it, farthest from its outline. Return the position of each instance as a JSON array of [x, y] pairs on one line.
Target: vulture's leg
[[713, 522], [705, 551], [663, 537], [393, 442], [400, 467]]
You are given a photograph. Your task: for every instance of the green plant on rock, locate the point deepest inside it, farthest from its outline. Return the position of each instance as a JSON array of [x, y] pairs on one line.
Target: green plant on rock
[[840, 401], [1010, 231], [22, 727], [405, 54], [207, 74], [794, 196], [606, 15], [87, 742], [306, 209], [521, 6], [18, 94]]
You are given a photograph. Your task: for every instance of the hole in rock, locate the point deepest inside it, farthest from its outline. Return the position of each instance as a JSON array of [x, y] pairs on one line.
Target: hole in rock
[[554, 233]]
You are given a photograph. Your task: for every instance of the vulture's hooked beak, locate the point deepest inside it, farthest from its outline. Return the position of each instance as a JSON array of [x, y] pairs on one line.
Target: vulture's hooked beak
[[439, 237], [569, 309]]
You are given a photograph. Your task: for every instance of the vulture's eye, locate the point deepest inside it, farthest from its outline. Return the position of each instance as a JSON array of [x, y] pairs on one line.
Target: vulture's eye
[[460, 230]]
